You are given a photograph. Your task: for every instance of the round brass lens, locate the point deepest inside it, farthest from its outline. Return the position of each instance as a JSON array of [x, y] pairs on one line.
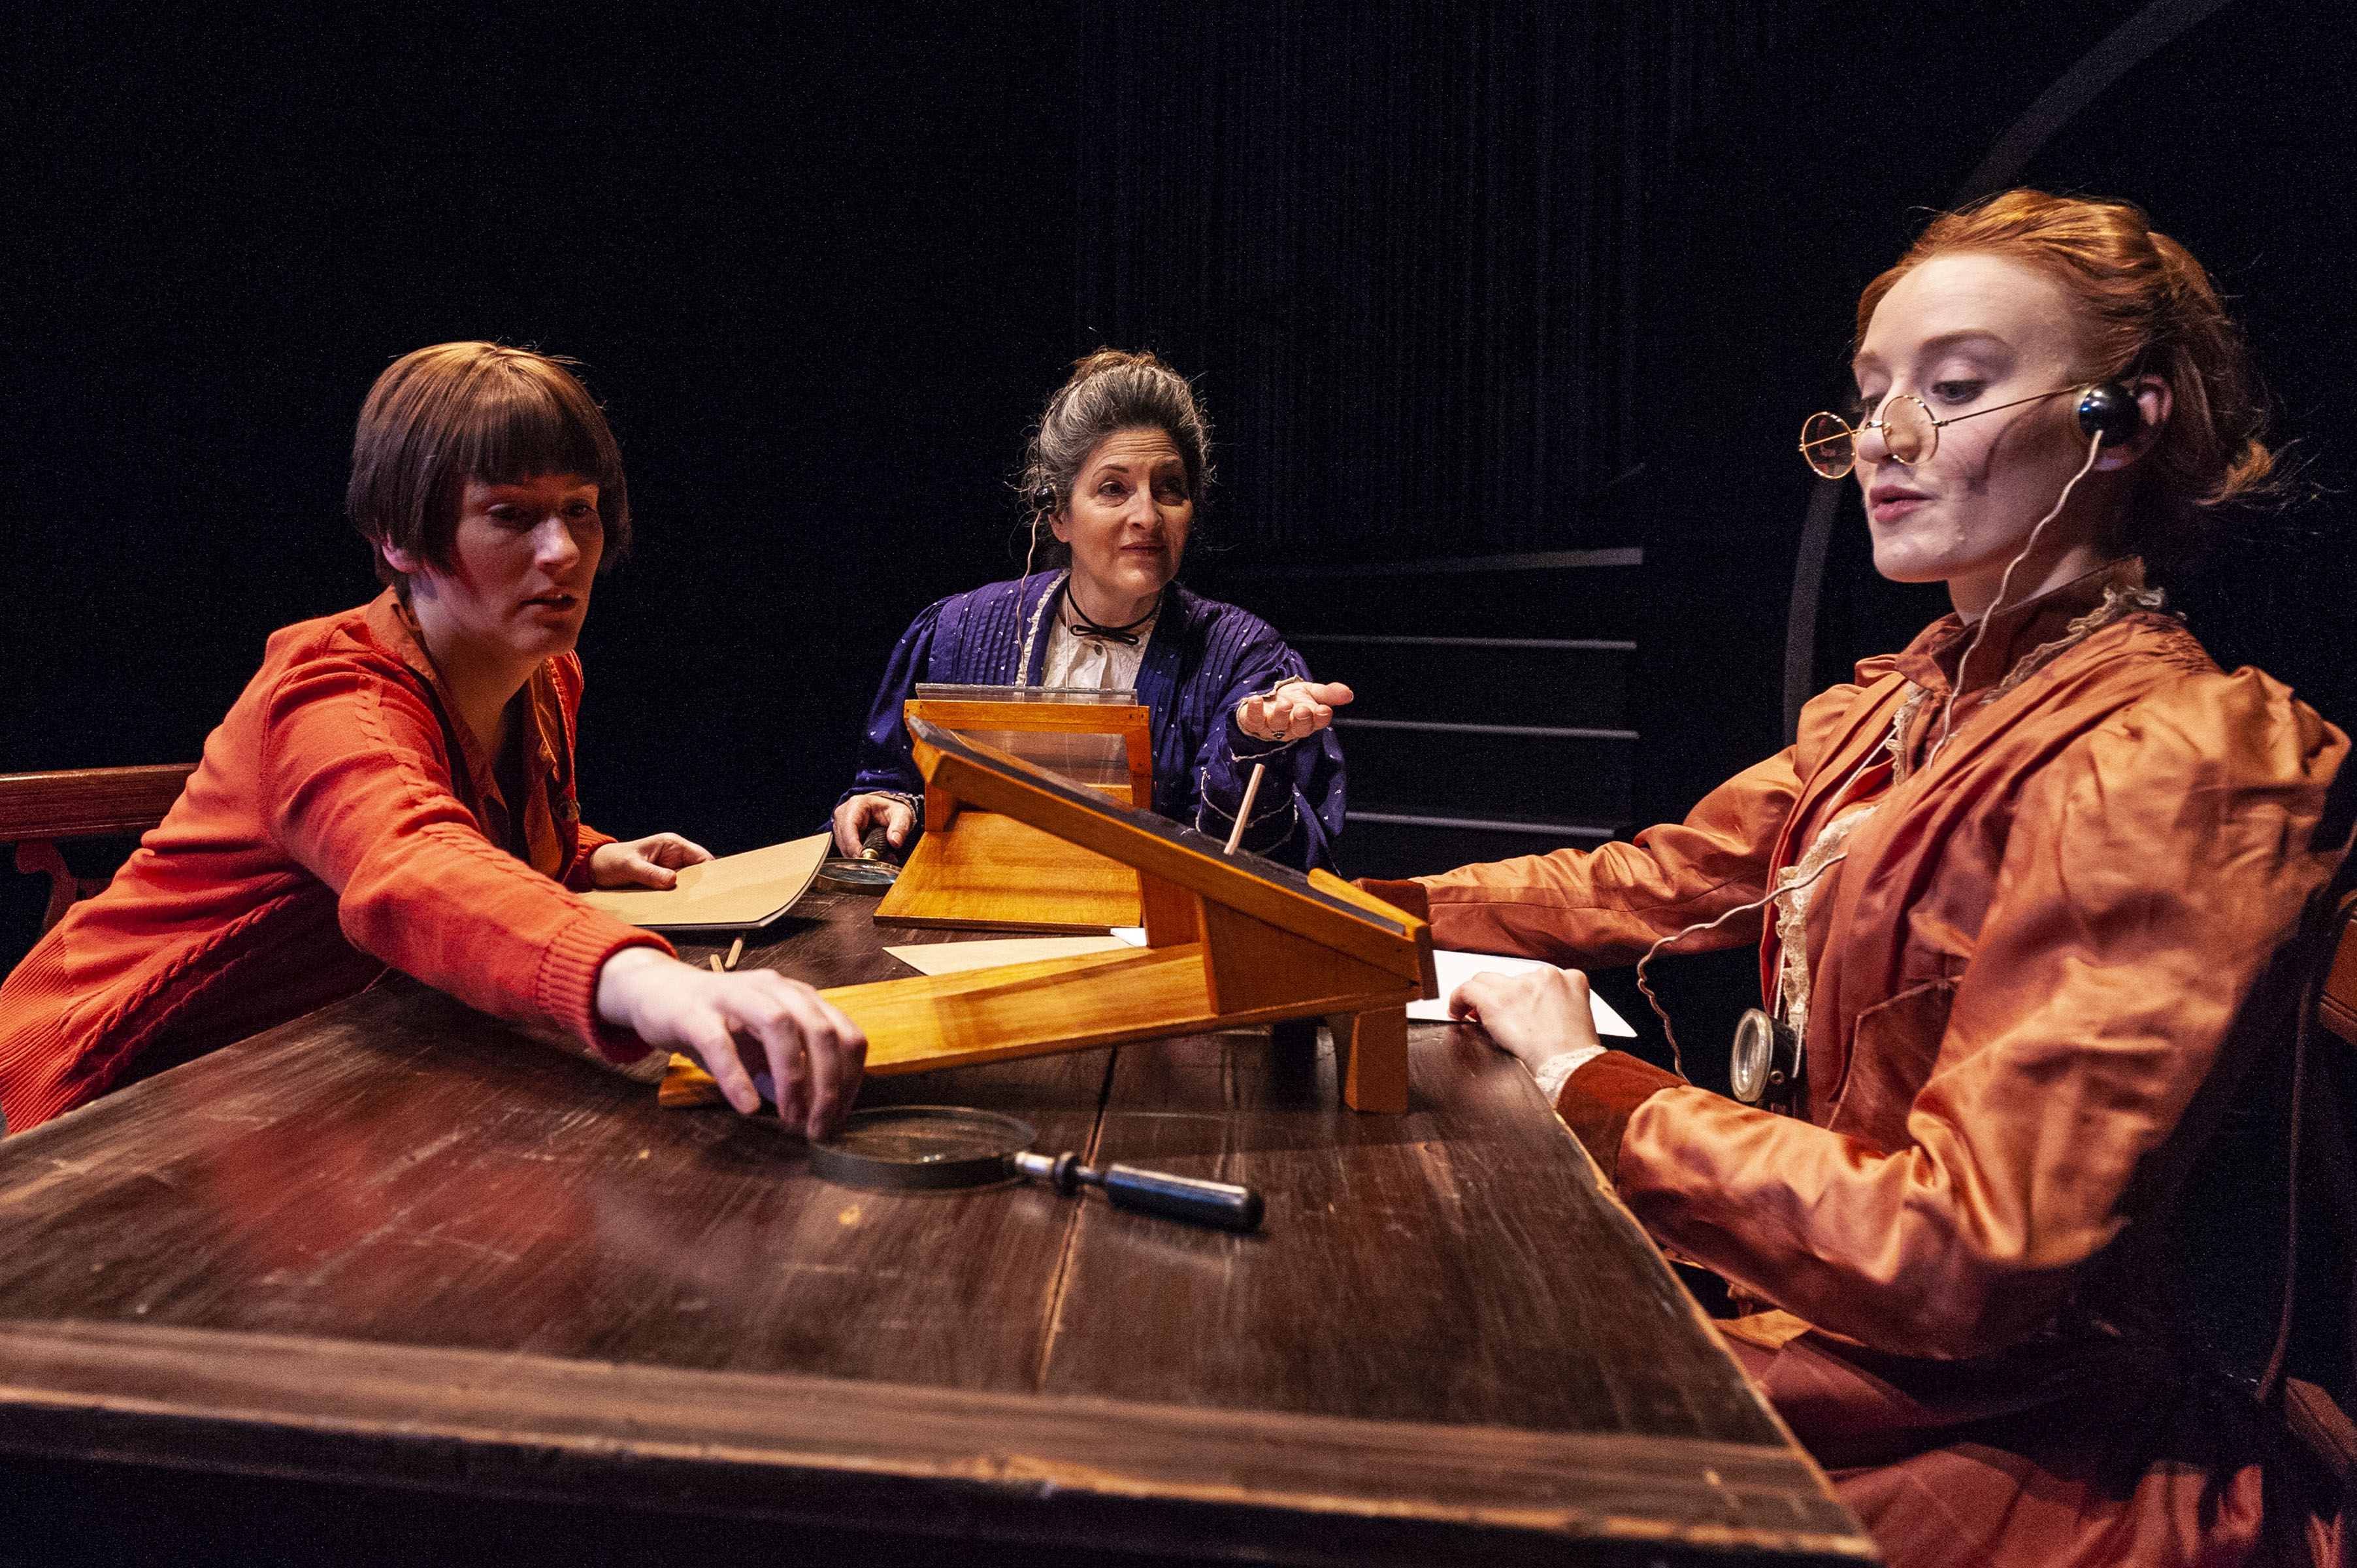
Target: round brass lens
[[1829, 444], [1909, 429]]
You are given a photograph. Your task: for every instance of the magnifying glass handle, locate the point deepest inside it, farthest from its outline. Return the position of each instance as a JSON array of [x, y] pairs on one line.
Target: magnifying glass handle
[[1183, 1198], [1153, 1192]]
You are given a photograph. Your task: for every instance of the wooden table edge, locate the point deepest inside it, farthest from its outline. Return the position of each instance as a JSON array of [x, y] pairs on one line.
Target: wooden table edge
[[857, 1454], [1702, 1319]]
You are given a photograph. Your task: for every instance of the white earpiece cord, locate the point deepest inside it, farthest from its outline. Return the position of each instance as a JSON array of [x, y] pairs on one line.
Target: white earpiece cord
[[1955, 688], [1677, 1058], [1023, 639]]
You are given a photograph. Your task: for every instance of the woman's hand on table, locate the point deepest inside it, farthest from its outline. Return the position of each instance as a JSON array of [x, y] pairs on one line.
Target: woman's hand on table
[[1537, 1016], [813, 1053], [1297, 709], [650, 861], [855, 816]]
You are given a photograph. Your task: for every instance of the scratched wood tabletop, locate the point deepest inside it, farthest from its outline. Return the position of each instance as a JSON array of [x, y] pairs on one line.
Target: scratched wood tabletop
[[395, 1244]]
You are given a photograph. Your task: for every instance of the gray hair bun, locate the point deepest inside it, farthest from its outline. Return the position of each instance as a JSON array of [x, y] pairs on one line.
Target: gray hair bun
[[1109, 390]]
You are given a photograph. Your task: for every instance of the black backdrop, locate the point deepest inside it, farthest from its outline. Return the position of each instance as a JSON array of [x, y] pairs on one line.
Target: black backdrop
[[1553, 277], [819, 270], [1414, 248], [823, 267]]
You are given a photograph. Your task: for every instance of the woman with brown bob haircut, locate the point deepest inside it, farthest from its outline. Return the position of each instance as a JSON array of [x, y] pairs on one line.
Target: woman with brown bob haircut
[[395, 788], [2011, 888]]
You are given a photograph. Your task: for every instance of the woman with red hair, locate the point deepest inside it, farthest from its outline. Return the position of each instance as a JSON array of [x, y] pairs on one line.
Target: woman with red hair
[[2010, 889]]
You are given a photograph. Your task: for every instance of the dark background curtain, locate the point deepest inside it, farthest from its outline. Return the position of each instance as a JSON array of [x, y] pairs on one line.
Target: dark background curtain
[[1457, 281], [1408, 247], [1474, 281], [818, 268]]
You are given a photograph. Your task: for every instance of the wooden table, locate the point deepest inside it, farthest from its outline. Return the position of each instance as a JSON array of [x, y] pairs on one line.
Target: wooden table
[[393, 1266]]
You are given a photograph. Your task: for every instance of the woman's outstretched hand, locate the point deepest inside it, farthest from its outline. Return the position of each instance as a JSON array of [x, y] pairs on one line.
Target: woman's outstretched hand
[[813, 1053], [650, 861], [855, 816], [1295, 710], [1536, 1016]]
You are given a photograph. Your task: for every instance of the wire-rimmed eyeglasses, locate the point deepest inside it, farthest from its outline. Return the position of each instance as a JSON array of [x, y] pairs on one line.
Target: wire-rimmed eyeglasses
[[1910, 432]]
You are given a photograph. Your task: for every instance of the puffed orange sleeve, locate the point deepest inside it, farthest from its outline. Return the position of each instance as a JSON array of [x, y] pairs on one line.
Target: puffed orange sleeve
[[355, 772], [1594, 908], [2149, 871]]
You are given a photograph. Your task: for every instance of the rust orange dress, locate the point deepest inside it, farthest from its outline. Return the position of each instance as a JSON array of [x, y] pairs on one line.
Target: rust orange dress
[[2021, 978], [341, 822]]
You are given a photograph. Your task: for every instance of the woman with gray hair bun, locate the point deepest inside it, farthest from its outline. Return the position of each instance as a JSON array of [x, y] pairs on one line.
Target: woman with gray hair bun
[[1119, 464]]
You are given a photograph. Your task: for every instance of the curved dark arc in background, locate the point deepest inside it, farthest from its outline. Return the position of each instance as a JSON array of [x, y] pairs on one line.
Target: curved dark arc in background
[[2126, 46]]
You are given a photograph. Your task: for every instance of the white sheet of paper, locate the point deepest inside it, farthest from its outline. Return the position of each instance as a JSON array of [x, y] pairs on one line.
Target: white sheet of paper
[[1454, 969]]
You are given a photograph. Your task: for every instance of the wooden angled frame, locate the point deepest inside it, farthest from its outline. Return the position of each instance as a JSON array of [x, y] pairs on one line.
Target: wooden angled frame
[[1230, 940], [984, 870], [1130, 721]]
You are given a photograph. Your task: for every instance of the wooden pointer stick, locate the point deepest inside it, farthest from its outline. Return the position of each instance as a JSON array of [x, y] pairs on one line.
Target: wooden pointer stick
[[1243, 813]]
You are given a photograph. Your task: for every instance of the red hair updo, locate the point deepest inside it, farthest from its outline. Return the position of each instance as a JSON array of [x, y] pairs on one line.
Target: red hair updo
[[2146, 307]]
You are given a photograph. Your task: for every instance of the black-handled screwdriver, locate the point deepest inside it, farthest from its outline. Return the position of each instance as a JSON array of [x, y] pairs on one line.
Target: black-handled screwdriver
[[1154, 1192]]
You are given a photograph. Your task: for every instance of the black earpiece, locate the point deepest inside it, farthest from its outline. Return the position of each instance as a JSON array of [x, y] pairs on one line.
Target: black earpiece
[[2110, 410]]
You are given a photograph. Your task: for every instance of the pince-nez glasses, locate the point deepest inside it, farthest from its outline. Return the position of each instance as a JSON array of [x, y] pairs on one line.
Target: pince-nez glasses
[[1910, 432]]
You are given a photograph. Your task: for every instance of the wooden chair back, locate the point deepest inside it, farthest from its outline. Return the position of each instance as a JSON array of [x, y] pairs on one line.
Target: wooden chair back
[[2317, 1332], [2336, 1001], [2264, 1228], [38, 809]]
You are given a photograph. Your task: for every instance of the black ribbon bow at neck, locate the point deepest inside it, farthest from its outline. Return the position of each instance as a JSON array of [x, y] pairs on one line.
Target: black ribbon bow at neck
[[1083, 627]]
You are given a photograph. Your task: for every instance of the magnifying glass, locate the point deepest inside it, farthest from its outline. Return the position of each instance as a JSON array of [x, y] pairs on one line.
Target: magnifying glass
[[869, 872], [859, 875], [915, 1148]]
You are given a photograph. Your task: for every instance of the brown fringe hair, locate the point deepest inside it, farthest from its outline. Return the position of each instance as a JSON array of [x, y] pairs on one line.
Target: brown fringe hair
[[440, 417]]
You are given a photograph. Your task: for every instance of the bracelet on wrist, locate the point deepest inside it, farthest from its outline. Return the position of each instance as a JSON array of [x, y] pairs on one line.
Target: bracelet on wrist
[[1263, 696]]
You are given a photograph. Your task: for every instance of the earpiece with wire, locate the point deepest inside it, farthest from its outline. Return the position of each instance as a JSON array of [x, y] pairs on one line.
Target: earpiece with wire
[[1043, 504], [2108, 414]]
